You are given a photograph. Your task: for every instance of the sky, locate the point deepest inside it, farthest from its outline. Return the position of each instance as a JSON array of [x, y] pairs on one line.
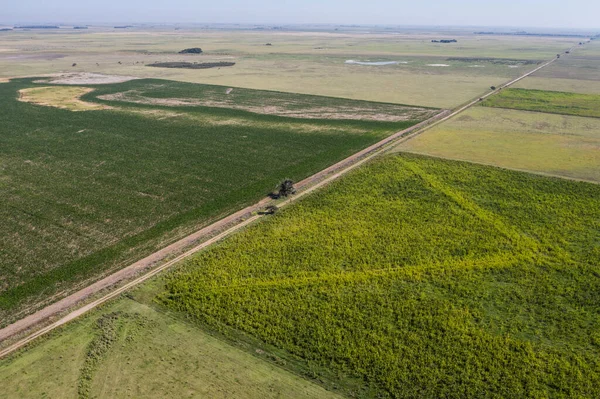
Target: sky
[[571, 14]]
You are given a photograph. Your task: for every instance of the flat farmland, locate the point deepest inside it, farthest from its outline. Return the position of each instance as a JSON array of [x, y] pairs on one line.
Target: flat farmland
[[420, 277], [560, 145], [88, 192], [426, 74], [410, 277]]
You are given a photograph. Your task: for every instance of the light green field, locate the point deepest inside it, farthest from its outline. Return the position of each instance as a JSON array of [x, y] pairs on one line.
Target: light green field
[[553, 102], [157, 358], [299, 62], [560, 145]]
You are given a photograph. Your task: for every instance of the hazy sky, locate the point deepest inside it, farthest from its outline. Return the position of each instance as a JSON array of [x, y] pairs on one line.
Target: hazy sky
[[530, 13]]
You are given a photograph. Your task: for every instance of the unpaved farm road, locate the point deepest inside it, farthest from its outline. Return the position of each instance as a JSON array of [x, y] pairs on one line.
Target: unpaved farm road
[[221, 228]]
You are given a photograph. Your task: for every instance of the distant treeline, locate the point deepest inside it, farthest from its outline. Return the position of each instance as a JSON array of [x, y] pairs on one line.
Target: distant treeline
[[531, 34], [445, 41], [190, 65], [37, 27]]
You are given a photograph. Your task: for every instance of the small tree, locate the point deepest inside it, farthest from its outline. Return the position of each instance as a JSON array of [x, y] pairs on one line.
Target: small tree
[[493, 87], [286, 188], [270, 210]]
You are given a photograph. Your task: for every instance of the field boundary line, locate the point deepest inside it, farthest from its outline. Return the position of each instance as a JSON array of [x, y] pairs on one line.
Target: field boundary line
[[320, 179]]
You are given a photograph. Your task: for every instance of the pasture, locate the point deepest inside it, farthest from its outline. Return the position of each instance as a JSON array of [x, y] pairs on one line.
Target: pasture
[[560, 145], [422, 278], [147, 354], [86, 193]]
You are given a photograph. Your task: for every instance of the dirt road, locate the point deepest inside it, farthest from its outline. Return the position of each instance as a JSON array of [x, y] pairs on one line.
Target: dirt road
[[147, 267]]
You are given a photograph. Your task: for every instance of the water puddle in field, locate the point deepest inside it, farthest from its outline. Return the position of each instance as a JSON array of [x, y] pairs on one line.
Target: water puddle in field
[[438, 65], [375, 63], [514, 66]]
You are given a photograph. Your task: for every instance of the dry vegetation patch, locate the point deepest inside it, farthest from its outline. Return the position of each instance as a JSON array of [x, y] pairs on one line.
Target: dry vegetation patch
[[290, 109], [60, 97]]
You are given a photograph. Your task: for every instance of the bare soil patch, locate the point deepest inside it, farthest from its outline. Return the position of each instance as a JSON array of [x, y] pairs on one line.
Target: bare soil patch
[[82, 78]]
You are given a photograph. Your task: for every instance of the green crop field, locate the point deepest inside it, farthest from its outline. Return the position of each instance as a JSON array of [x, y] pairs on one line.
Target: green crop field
[[561, 145], [422, 278], [85, 193], [554, 102], [129, 350]]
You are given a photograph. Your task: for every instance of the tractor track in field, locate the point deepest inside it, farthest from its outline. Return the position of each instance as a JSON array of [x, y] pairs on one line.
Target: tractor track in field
[[161, 260]]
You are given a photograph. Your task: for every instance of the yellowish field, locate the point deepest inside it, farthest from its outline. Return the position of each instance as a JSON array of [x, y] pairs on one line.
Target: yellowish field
[[300, 62], [558, 84], [559, 145], [64, 97]]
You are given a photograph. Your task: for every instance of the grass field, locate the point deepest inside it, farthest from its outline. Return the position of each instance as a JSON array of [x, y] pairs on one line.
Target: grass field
[[543, 143], [88, 192], [423, 277], [297, 62], [554, 102], [129, 350]]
